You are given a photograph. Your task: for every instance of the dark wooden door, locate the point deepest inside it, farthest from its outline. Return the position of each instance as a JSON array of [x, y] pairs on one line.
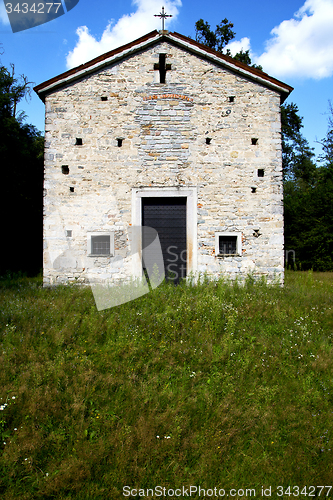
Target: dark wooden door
[[168, 217]]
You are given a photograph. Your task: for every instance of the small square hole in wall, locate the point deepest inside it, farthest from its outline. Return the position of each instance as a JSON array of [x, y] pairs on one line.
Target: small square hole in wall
[[104, 98], [71, 189], [78, 141], [253, 189], [65, 169], [120, 142], [261, 172], [254, 141], [80, 167], [69, 233], [231, 98], [208, 140]]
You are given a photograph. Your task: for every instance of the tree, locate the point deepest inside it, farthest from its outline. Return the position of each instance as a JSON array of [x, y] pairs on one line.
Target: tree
[[220, 38], [308, 205], [327, 142], [12, 92], [214, 40], [297, 156], [21, 153]]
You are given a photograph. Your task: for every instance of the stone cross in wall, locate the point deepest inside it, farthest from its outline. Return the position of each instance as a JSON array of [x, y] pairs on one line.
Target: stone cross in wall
[[162, 15]]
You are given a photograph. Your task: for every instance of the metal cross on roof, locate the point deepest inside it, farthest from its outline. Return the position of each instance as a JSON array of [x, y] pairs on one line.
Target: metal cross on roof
[[162, 15]]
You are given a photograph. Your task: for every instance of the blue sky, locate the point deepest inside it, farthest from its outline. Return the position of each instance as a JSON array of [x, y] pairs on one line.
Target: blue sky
[[291, 39]]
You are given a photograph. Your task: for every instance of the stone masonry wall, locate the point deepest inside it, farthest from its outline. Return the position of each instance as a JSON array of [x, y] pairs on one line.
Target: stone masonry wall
[[163, 128]]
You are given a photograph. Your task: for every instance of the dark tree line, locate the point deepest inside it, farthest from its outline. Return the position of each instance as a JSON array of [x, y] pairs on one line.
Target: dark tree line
[[21, 159], [308, 195]]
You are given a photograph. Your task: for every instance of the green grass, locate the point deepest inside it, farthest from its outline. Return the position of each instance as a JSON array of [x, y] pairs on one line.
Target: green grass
[[214, 385]]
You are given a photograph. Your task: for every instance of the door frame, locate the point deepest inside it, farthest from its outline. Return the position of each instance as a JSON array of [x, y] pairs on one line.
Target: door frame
[[190, 193]]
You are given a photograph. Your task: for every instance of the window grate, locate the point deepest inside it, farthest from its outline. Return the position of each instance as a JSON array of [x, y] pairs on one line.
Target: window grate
[[100, 245], [227, 245]]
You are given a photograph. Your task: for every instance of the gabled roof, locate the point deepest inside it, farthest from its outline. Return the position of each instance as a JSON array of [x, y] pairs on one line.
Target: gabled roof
[[151, 39]]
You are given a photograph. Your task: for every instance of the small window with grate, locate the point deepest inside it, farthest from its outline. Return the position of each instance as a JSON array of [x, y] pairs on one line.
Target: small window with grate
[[228, 244], [100, 244]]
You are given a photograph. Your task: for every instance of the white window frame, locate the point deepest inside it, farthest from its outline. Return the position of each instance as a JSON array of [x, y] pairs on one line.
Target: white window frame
[[191, 195], [100, 233], [238, 243]]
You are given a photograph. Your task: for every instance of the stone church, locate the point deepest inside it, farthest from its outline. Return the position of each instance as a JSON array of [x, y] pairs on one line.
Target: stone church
[[166, 133]]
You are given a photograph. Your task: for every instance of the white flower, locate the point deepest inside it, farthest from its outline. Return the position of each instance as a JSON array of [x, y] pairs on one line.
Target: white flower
[[15, 429], [13, 397], [158, 437]]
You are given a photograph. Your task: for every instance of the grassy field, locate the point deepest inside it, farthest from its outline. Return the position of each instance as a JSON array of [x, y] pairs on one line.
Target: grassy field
[[215, 385]]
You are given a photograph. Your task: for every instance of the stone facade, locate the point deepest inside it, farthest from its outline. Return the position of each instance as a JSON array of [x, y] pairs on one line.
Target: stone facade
[[211, 133]]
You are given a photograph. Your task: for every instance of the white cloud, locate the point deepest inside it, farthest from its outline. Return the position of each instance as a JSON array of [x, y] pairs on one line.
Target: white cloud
[[3, 14], [237, 46], [127, 28], [302, 46]]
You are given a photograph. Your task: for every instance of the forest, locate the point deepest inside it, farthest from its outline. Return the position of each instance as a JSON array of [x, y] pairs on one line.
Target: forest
[[308, 181]]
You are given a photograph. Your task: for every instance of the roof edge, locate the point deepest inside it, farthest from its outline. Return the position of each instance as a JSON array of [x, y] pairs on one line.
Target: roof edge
[[89, 66], [255, 73], [176, 38]]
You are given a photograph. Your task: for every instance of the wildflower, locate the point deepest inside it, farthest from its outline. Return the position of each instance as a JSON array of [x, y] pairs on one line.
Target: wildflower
[[13, 397], [158, 437]]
